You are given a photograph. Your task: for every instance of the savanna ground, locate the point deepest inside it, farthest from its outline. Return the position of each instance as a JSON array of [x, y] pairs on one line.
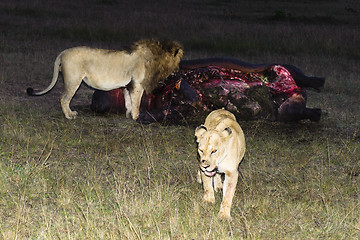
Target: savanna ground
[[108, 177]]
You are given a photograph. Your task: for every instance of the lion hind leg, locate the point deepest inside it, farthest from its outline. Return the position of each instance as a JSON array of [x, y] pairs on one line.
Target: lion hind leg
[[70, 89], [65, 105]]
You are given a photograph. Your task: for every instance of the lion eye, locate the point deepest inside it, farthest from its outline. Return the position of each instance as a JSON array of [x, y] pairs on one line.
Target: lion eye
[[213, 151], [200, 150]]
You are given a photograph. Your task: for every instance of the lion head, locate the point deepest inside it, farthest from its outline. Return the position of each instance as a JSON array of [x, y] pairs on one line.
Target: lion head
[[164, 60]]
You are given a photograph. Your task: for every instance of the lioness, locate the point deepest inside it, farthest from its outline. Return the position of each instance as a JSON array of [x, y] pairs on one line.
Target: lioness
[[221, 147], [136, 70]]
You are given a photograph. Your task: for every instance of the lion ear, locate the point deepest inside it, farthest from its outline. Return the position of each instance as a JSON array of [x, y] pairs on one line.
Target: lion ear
[[200, 131], [176, 52]]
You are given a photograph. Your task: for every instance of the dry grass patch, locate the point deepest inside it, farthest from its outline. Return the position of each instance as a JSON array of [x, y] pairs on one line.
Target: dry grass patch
[[107, 177]]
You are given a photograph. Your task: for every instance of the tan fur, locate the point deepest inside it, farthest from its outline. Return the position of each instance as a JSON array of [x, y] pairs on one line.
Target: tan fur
[[136, 71], [221, 147]]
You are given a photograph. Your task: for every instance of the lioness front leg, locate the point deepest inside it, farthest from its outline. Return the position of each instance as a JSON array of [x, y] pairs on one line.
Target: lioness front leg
[[217, 182], [229, 188], [208, 189]]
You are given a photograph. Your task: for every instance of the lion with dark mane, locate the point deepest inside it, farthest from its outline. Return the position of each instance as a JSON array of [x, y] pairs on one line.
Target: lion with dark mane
[[137, 70]]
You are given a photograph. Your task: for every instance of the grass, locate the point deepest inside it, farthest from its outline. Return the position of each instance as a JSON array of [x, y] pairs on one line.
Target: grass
[[107, 177]]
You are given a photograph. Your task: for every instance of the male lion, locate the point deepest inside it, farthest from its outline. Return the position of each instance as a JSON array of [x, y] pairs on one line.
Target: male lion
[[221, 147], [137, 70]]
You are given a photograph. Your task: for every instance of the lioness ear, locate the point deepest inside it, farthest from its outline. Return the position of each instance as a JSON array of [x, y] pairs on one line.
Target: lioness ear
[[228, 130], [199, 131]]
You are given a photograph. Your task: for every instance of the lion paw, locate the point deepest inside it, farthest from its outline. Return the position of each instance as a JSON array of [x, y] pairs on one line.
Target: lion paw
[[128, 114], [135, 117], [72, 115]]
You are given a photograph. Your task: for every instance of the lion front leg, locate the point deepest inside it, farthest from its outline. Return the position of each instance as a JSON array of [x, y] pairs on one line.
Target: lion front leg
[[229, 188], [209, 195], [136, 93], [127, 102]]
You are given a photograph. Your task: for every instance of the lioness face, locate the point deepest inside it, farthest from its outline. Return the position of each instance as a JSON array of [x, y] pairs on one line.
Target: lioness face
[[211, 151]]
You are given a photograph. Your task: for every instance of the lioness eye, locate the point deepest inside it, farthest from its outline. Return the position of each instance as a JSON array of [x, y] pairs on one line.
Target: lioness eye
[[213, 151], [200, 150]]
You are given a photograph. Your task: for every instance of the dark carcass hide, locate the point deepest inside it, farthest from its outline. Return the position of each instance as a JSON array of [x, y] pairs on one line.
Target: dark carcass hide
[[250, 91]]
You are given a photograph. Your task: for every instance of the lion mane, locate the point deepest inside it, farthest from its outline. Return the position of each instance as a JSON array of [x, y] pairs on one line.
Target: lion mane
[[161, 64]]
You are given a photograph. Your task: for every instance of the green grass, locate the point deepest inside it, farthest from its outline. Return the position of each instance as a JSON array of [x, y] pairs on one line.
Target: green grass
[[108, 177]]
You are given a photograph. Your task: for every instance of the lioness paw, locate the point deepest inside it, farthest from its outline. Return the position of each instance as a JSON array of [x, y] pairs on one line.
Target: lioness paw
[[225, 216], [224, 212]]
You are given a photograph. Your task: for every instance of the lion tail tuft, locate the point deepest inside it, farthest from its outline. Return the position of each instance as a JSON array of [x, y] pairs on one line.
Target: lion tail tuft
[[30, 91]]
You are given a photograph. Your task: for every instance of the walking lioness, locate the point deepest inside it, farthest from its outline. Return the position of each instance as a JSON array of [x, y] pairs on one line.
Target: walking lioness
[[221, 147], [137, 70]]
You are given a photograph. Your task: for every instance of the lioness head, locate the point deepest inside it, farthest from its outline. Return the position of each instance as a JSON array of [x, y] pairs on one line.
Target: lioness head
[[211, 148]]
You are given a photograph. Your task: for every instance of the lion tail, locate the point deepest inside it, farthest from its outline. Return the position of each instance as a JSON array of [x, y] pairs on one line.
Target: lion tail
[[30, 91]]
